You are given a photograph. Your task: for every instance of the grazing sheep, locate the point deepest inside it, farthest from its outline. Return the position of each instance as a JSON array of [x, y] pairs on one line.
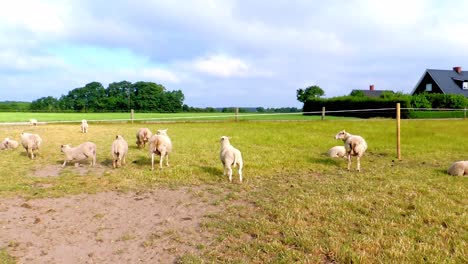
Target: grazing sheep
[[31, 143], [142, 136], [160, 144], [230, 156], [8, 143], [354, 145], [33, 121], [119, 151], [458, 168], [337, 152], [81, 152], [84, 126]]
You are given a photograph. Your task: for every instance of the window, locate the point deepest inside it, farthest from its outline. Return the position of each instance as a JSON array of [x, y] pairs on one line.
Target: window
[[429, 87], [465, 85]]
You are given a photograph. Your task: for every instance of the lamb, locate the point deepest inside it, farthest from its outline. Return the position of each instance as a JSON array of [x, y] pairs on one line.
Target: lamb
[[8, 143], [33, 122], [337, 152], [142, 136], [119, 151], [160, 144], [31, 143], [230, 156], [354, 145], [81, 152], [84, 126], [458, 168]]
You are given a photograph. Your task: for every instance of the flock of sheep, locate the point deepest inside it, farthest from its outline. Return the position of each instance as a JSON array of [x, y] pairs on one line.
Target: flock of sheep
[[160, 144]]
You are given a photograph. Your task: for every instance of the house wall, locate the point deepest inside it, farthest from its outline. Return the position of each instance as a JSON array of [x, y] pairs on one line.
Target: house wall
[[422, 85]]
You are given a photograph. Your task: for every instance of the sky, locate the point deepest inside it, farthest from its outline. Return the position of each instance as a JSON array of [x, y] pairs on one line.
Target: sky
[[224, 53]]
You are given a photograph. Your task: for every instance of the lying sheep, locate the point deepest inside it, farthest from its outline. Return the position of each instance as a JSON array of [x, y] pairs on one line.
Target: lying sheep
[[230, 156], [81, 152], [458, 168], [160, 144], [142, 136], [119, 151], [354, 145], [31, 143], [8, 143], [337, 152], [33, 122], [84, 126]]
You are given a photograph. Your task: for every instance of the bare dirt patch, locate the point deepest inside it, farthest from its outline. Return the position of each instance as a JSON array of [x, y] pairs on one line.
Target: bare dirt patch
[[112, 227], [55, 170]]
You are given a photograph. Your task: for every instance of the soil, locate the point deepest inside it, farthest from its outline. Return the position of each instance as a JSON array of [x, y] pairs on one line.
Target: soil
[[158, 226]]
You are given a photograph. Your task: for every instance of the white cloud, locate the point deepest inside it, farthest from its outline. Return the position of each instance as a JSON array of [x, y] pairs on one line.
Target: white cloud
[[160, 75], [222, 66]]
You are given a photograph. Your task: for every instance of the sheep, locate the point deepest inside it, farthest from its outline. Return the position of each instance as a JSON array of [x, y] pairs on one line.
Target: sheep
[[84, 126], [8, 143], [354, 145], [81, 152], [337, 152], [458, 168], [119, 151], [142, 136], [160, 144], [230, 156], [31, 143], [33, 122]]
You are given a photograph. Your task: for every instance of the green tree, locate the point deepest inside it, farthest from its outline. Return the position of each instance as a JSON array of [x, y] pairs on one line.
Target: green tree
[[48, 104], [119, 96], [309, 93]]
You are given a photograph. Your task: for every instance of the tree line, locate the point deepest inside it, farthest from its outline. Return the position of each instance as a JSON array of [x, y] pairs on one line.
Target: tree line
[[118, 96]]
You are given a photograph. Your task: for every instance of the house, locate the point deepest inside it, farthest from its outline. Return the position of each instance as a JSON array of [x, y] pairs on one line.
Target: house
[[371, 92], [453, 81]]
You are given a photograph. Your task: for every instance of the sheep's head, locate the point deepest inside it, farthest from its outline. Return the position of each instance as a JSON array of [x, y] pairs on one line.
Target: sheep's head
[[342, 135], [162, 132], [119, 137], [224, 139], [64, 147]]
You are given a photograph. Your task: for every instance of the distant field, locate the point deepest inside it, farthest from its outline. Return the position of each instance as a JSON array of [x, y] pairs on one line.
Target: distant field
[[77, 117], [296, 204]]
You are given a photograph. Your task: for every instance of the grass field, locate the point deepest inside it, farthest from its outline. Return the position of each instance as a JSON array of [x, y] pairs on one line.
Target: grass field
[[295, 205]]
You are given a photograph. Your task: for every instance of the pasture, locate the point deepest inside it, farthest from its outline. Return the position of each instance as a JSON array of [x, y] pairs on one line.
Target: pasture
[[295, 204]]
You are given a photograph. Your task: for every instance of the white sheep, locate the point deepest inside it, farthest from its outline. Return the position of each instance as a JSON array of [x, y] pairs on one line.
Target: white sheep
[[84, 126], [458, 168], [8, 143], [354, 145], [81, 152], [119, 151], [230, 156], [160, 144], [143, 135], [33, 122], [337, 152], [31, 143]]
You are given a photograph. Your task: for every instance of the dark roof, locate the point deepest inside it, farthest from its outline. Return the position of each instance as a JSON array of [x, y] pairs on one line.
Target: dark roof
[[372, 93], [445, 79]]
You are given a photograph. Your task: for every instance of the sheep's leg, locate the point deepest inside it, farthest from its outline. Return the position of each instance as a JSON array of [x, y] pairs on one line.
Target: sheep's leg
[[163, 153], [114, 163], [229, 173], [123, 160], [94, 161], [167, 160], [240, 173], [349, 161], [64, 163], [358, 164], [152, 161]]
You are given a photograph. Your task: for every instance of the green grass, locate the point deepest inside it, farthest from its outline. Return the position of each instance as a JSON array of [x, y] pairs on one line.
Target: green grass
[[295, 205], [436, 114], [6, 117]]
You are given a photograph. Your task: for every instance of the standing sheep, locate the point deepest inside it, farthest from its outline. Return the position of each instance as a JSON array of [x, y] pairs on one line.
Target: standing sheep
[[33, 122], [354, 145], [160, 144], [81, 152], [31, 143], [337, 152], [142, 136], [230, 156], [458, 168], [84, 126], [119, 151]]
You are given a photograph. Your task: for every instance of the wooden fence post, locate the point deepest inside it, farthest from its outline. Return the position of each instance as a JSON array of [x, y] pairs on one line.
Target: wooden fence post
[[132, 115], [398, 131], [237, 114], [464, 114], [323, 113]]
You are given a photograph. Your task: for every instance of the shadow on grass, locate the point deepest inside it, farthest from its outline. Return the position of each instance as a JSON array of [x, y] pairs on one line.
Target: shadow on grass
[[327, 161], [212, 170]]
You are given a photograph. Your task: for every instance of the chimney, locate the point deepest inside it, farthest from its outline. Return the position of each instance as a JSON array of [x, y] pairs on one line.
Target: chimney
[[371, 87], [458, 69]]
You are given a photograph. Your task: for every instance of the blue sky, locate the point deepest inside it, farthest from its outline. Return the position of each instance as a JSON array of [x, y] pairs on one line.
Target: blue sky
[[227, 52]]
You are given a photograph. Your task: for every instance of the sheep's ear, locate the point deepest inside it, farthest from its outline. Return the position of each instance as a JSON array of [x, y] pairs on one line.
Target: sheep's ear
[[116, 137]]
